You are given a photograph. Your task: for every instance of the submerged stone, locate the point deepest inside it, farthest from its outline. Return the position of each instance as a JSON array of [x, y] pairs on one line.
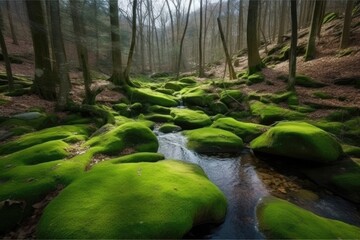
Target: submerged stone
[[135, 200], [298, 140]]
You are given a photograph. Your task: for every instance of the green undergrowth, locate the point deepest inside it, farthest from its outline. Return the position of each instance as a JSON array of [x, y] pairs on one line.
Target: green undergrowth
[[190, 119], [141, 200], [246, 131], [280, 219], [213, 140]]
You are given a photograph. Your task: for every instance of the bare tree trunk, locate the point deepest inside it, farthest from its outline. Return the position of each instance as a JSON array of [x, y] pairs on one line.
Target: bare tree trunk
[[240, 26], [282, 22], [59, 51], [292, 60], [254, 61], [201, 67], [173, 55], [12, 28], [97, 54], [132, 45], [311, 46], [43, 85], [7, 61], [345, 36], [182, 41], [232, 74]]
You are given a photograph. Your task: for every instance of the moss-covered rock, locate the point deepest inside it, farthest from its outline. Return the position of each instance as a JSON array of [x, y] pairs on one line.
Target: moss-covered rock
[[136, 157], [188, 80], [146, 95], [298, 140], [133, 135], [280, 219], [270, 113], [141, 200], [230, 96], [190, 119], [156, 117], [169, 127], [246, 131], [218, 107], [176, 86], [66, 133], [158, 109], [352, 151], [196, 96], [213, 140], [255, 78], [308, 82]]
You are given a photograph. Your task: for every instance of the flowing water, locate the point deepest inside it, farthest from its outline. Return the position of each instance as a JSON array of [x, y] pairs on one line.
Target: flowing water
[[237, 179]]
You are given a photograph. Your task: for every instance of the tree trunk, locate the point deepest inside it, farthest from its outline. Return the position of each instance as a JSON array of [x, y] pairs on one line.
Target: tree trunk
[[43, 85], [254, 61], [240, 26], [60, 57], [7, 61], [311, 46], [201, 67], [12, 28], [132, 46], [292, 60], [182, 41], [345, 36], [282, 22], [232, 74], [117, 73], [173, 55]]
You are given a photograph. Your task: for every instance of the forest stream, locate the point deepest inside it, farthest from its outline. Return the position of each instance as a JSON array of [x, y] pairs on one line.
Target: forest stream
[[237, 178]]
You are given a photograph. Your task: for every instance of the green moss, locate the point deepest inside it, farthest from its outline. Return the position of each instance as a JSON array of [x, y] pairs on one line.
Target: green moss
[[174, 86], [270, 113], [322, 95], [188, 80], [158, 109], [165, 91], [190, 119], [352, 151], [145, 95], [137, 157], [123, 109], [128, 135], [141, 200], [73, 119], [246, 131], [213, 140], [41, 121], [230, 96], [308, 82], [197, 96], [298, 140], [283, 220], [349, 182], [302, 108], [254, 78], [55, 133], [283, 97], [169, 127], [156, 117], [218, 107], [329, 17]]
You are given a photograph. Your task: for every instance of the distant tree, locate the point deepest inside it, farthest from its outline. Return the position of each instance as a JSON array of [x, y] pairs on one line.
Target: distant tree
[[7, 61], [201, 67], [282, 22], [254, 61], [182, 41], [294, 38], [43, 85], [345, 36], [315, 23], [60, 56], [12, 28]]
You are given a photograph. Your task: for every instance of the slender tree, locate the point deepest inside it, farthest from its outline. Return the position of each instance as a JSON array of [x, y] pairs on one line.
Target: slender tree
[[182, 41], [292, 61], [201, 67], [43, 85], [7, 61], [282, 22], [232, 74], [60, 57], [311, 45], [12, 28], [254, 61], [345, 36]]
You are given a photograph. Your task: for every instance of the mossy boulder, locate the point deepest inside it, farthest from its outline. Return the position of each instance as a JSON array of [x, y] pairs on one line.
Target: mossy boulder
[[66, 133], [352, 151], [305, 81], [146, 95], [246, 131], [158, 109], [230, 96], [135, 200], [270, 113], [196, 96], [255, 78], [188, 80], [298, 140], [280, 219], [157, 117], [213, 140], [176, 86], [190, 119], [169, 127], [133, 135], [135, 158], [218, 107]]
